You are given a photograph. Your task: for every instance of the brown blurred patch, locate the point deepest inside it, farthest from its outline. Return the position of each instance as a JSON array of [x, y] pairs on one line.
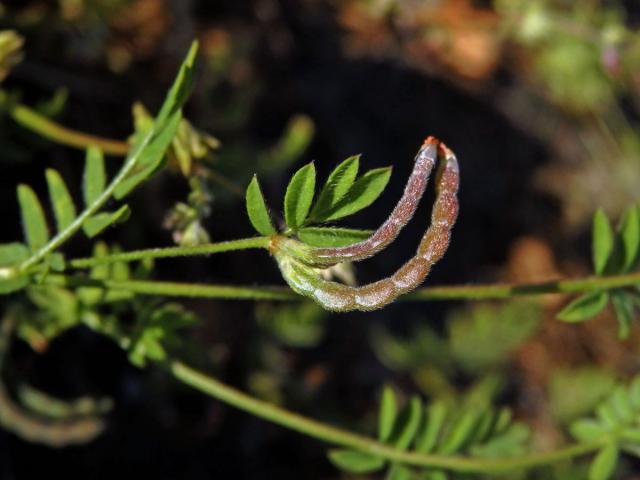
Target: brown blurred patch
[[454, 35]]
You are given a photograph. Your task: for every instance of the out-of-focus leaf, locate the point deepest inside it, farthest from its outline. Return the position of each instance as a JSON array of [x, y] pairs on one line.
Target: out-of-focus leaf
[[355, 462], [434, 423], [460, 431], [257, 209], [603, 241], [623, 307], [584, 307], [576, 392], [399, 472], [63, 206], [630, 236], [587, 430], [604, 464], [299, 195], [294, 141], [407, 424], [387, 414]]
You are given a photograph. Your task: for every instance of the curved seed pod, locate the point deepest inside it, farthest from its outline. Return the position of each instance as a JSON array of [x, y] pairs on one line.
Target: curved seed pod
[[306, 280], [36, 428], [403, 212]]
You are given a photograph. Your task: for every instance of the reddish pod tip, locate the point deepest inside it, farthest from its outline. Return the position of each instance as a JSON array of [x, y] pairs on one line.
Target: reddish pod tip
[[430, 140], [445, 150]]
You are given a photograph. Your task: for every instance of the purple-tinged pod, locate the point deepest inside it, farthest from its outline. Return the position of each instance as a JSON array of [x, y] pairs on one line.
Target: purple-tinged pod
[[403, 212], [306, 280]]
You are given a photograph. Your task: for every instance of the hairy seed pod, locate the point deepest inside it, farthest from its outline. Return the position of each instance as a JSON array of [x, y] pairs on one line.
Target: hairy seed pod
[[306, 280], [401, 215]]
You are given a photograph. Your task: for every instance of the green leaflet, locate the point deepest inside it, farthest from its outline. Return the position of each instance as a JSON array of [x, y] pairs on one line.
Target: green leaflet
[[399, 472], [407, 424], [461, 430], [435, 420], [63, 206], [355, 462], [33, 219], [12, 254], [335, 188], [587, 430], [623, 308], [630, 237], [257, 209], [151, 156], [299, 195], [604, 464], [388, 413], [100, 221], [181, 88], [332, 236], [94, 179], [363, 193], [584, 307], [151, 148], [603, 241]]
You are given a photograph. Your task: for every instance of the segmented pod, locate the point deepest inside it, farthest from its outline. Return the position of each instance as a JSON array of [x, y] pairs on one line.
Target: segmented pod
[[297, 262]]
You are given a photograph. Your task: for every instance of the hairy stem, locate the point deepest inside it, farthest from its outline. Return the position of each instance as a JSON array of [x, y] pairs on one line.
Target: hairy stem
[[232, 245], [47, 128], [344, 438], [170, 289], [455, 292]]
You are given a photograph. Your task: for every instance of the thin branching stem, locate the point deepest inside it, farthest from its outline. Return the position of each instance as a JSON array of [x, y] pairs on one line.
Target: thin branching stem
[[102, 199], [232, 245], [51, 130], [343, 438], [454, 292]]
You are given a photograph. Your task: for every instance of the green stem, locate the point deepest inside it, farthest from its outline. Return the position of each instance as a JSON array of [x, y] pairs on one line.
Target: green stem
[[143, 287], [470, 292], [232, 245], [344, 438], [507, 290], [47, 128]]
